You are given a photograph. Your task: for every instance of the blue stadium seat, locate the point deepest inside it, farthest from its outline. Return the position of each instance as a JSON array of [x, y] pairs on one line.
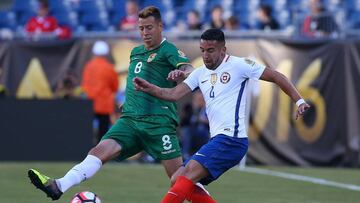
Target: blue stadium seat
[[178, 3], [159, 4], [117, 11], [245, 5], [23, 17], [200, 6], [95, 21], [213, 3], [27, 6], [280, 5], [88, 6], [167, 10], [93, 15], [69, 19], [61, 6], [354, 19], [8, 20], [24, 10], [283, 17]]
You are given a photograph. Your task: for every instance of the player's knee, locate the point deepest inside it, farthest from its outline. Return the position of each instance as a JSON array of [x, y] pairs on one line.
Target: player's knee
[[194, 171], [106, 150], [173, 179]]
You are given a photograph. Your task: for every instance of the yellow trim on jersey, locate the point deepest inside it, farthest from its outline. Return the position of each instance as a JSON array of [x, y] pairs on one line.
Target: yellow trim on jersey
[[182, 63]]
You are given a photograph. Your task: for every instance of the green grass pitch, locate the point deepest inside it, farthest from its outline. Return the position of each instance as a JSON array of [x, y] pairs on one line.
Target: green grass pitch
[[136, 183]]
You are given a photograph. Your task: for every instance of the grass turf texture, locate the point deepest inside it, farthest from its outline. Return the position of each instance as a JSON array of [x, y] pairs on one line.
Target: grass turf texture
[[135, 183]]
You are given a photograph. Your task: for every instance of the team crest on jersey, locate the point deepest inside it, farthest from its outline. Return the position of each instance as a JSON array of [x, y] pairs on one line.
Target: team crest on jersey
[[213, 78], [181, 54], [151, 57], [225, 77], [249, 61]]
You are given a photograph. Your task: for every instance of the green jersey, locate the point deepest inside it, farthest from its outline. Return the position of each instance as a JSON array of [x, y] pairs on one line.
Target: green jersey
[[154, 66]]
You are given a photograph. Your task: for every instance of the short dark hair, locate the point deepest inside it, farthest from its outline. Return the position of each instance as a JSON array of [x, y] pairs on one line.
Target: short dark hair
[[213, 34], [217, 7], [195, 12], [150, 11]]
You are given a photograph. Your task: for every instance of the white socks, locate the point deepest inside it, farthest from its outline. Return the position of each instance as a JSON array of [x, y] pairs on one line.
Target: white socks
[[202, 187], [84, 170]]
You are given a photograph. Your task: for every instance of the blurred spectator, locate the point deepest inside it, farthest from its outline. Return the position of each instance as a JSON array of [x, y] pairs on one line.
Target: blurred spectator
[[185, 130], [319, 23], [199, 122], [193, 20], [63, 32], [194, 125], [217, 20], [130, 21], [100, 84], [2, 91], [265, 19], [42, 24], [232, 23], [66, 88]]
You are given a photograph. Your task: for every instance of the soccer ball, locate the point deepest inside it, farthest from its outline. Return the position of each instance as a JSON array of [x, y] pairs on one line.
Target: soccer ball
[[85, 196]]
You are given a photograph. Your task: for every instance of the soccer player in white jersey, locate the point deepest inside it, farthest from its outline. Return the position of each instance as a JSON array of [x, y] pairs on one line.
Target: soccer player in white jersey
[[222, 80]]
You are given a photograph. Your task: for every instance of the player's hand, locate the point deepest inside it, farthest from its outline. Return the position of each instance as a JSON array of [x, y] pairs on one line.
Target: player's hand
[[176, 75], [301, 110], [141, 84]]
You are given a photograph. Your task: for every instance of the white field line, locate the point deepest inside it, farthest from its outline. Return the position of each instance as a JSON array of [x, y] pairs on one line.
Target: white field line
[[302, 178]]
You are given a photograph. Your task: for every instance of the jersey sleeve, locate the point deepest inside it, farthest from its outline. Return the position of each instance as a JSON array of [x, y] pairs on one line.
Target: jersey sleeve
[[252, 69], [175, 56], [193, 79]]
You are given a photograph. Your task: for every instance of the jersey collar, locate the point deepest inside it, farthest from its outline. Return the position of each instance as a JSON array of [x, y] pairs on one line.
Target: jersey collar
[[163, 40], [225, 59]]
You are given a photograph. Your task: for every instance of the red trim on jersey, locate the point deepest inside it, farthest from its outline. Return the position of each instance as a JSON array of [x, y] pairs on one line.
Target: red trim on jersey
[[227, 58]]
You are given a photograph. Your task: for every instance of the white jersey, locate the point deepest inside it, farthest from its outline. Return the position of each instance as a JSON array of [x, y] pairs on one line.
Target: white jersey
[[224, 93]]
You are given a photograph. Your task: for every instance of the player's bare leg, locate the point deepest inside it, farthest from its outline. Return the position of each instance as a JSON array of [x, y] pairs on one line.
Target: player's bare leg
[[106, 150], [100, 154], [172, 165]]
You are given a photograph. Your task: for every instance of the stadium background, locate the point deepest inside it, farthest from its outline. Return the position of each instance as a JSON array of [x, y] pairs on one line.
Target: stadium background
[[325, 70]]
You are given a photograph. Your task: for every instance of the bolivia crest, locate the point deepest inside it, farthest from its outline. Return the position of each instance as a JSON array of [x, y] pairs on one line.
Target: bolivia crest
[[151, 57]]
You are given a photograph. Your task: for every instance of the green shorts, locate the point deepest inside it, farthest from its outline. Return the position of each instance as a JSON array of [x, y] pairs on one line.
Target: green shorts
[[154, 134]]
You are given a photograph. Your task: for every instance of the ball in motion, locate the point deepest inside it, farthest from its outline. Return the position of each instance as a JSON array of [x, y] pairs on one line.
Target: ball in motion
[[85, 196]]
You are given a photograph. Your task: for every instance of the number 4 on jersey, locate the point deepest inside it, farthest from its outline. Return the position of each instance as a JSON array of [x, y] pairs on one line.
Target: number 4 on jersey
[[212, 93]]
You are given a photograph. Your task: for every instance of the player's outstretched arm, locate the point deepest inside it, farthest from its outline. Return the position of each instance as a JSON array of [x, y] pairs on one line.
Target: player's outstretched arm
[[169, 94], [180, 74], [284, 83]]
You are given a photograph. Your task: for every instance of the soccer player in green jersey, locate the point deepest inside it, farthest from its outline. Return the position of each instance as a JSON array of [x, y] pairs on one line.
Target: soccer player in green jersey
[[147, 123]]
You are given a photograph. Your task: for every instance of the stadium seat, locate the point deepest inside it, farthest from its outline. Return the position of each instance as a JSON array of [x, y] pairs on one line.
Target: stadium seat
[[61, 6], [354, 20], [23, 10], [116, 10], [188, 5], [23, 17], [283, 17], [93, 15], [167, 10], [244, 5], [333, 5], [69, 19], [8, 20], [158, 3], [27, 6]]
